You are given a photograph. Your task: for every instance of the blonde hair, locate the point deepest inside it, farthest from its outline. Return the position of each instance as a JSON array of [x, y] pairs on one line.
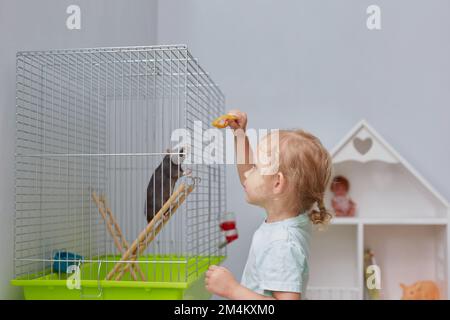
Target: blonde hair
[[306, 165]]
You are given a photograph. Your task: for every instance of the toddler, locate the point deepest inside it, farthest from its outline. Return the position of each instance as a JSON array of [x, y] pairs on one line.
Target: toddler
[[291, 192]]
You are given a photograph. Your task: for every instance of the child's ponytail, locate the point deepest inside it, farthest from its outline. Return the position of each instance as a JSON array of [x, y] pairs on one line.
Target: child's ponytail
[[320, 216]]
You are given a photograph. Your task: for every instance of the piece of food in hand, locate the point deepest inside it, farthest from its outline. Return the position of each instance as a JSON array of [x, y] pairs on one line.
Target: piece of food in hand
[[222, 121]]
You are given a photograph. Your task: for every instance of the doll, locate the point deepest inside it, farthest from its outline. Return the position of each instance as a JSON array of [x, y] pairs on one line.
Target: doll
[[342, 204]]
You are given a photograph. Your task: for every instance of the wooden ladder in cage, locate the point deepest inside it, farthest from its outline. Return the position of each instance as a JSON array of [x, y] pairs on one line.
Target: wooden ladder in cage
[[116, 233], [150, 231]]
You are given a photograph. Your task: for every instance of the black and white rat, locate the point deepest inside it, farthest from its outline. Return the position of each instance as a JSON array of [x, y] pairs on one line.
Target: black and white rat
[[162, 183]]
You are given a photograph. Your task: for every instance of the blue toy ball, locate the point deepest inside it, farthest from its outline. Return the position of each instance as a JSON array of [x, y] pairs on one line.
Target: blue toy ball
[[63, 259]]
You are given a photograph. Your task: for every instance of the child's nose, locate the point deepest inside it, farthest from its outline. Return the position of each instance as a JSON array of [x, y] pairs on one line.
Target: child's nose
[[246, 173]]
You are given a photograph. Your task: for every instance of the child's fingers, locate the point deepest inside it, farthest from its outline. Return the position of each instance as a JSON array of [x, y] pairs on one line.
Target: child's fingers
[[208, 274], [238, 114], [241, 116], [239, 122], [233, 124]]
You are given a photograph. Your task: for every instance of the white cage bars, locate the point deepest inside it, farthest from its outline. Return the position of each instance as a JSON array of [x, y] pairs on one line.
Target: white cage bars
[[100, 120]]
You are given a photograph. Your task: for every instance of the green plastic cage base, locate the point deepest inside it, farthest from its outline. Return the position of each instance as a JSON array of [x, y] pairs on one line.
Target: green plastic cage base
[[166, 279]]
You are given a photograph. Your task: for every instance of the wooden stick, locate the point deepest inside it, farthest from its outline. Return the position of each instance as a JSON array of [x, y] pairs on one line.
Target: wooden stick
[[146, 242], [163, 223], [108, 224], [110, 227], [117, 242], [124, 241], [144, 232]]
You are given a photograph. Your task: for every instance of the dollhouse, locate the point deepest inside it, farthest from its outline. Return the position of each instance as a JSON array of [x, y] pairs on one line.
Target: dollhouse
[[400, 217]]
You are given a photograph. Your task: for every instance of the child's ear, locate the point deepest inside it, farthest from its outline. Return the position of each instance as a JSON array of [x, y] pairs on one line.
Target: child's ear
[[279, 182]]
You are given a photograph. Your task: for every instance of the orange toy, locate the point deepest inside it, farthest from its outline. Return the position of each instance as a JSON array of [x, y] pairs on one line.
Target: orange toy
[[222, 121], [421, 290]]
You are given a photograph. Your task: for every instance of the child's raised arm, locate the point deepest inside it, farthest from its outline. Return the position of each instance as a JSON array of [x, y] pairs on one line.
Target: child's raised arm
[[242, 148]]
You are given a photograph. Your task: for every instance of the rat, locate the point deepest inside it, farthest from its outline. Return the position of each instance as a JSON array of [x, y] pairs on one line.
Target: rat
[[162, 183]]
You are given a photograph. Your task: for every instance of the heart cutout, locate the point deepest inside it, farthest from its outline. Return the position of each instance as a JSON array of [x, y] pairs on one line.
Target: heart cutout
[[362, 146]]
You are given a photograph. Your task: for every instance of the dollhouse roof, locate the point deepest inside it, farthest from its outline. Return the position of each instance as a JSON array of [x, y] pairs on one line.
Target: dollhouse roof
[[364, 144]]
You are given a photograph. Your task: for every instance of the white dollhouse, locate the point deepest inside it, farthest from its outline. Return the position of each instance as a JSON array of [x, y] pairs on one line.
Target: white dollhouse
[[399, 216]]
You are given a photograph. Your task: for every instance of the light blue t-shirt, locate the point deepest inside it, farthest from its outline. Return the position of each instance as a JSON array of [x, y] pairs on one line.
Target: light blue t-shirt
[[278, 257]]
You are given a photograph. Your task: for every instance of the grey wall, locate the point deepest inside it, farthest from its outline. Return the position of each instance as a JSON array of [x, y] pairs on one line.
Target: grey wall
[[40, 25], [315, 65]]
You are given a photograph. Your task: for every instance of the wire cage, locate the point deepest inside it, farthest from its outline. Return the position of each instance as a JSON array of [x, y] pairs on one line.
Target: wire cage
[[93, 125]]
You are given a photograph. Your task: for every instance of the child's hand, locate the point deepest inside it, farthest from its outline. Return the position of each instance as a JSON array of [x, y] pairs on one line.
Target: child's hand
[[240, 122], [219, 280]]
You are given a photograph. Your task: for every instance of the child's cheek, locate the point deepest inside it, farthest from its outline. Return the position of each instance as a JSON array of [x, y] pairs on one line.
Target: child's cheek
[[257, 190], [249, 190]]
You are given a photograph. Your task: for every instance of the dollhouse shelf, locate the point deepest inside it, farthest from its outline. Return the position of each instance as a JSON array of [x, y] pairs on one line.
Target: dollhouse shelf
[[387, 221], [333, 293], [399, 216]]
